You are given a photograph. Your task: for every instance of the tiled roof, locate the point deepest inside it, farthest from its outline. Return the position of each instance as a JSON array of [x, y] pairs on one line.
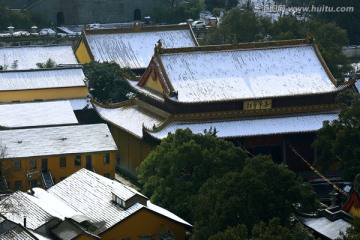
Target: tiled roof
[[85, 189], [57, 140], [17, 233], [135, 49], [130, 117], [19, 115], [18, 206], [327, 228], [218, 75], [42, 79], [28, 56], [251, 127]]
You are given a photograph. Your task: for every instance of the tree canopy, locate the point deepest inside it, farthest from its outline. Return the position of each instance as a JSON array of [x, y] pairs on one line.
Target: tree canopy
[[175, 171], [260, 191], [106, 82], [337, 142]]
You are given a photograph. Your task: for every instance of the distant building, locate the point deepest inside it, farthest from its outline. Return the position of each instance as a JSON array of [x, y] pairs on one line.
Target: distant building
[[44, 156], [43, 84], [70, 12], [131, 47], [263, 97], [89, 206], [26, 57], [37, 114]]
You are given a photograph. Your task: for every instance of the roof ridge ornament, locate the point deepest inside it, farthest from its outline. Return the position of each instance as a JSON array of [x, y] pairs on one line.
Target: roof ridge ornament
[[310, 38]]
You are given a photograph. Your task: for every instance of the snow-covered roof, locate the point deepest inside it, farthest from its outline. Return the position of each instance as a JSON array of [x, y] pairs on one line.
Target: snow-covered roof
[[80, 103], [134, 49], [17, 206], [19, 115], [57, 140], [28, 56], [84, 189], [42, 79], [17, 232], [209, 74], [230, 128], [130, 118], [327, 228]]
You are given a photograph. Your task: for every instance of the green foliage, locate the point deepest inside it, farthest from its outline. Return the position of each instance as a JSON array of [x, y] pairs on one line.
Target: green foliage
[[235, 233], [179, 12], [245, 25], [106, 82], [261, 191], [274, 230], [346, 20], [173, 174], [288, 28], [48, 64], [337, 143], [330, 40], [21, 19]]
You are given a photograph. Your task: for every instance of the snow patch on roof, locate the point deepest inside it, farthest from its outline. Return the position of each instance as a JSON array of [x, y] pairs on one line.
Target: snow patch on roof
[[246, 74], [57, 140], [251, 127], [28, 56], [134, 50], [34, 114], [42, 79], [130, 118]]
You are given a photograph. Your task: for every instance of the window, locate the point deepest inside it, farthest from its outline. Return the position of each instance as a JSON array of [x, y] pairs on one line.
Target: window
[[62, 161], [18, 185], [107, 158], [17, 165], [33, 164], [77, 160], [107, 175]]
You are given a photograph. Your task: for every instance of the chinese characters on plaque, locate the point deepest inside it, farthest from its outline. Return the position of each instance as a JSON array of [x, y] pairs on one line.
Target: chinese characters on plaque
[[257, 104]]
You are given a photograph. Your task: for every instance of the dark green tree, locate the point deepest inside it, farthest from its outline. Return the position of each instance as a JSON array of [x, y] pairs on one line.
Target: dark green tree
[[330, 40], [179, 11], [48, 64], [347, 19], [288, 27], [274, 230], [106, 82], [21, 19], [173, 173], [261, 191], [232, 233], [337, 142], [243, 25]]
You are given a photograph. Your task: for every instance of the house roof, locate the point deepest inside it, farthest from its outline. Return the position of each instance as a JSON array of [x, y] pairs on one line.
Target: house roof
[[28, 56], [133, 47], [131, 116], [247, 71], [42, 79], [329, 229], [18, 206], [85, 189], [17, 233], [36, 114], [231, 128], [57, 140]]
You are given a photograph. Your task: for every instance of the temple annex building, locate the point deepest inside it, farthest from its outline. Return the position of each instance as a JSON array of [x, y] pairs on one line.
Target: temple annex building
[[264, 97]]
